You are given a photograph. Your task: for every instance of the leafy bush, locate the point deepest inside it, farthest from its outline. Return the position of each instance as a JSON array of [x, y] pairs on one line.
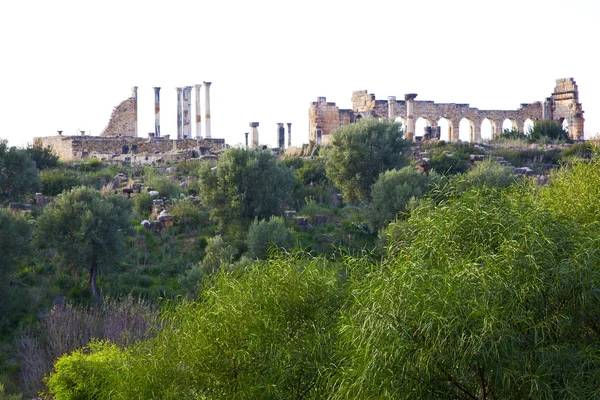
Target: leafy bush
[[161, 183], [18, 173], [578, 150], [392, 192], [42, 156], [486, 173], [93, 164], [513, 134], [449, 164], [264, 234], [142, 204], [189, 213], [548, 130], [55, 181]]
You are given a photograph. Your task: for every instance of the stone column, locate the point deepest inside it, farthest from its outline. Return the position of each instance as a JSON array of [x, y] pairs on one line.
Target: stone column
[[179, 114], [198, 116], [246, 134], [134, 94], [254, 130], [157, 112], [410, 118], [547, 112], [207, 108], [391, 105], [280, 135], [289, 124], [187, 106]]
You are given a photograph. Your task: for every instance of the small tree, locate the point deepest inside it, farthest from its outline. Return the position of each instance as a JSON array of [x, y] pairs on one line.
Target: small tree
[[392, 192], [359, 152], [18, 173], [246, 184], [548, 130], [263, 234], [86, 230]]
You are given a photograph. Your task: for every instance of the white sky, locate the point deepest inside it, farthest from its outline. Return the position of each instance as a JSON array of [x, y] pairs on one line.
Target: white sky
[[66, 64]]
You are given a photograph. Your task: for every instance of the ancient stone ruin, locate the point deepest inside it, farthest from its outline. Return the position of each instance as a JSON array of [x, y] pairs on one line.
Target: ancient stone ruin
[[563, 106]]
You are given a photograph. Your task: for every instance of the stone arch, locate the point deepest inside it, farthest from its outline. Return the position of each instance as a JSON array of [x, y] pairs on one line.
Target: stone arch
[[357, 118], [402, 122], [420, 124], [466, 130], [565, 123], [446, 129], [510, 124], [527, 126], [488, 129]]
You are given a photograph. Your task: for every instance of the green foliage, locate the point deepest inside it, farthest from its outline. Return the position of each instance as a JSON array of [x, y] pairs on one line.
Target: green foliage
[[392, 192], [486, 173], [87, 230], [18, 173], [161, 183], [189, 213], [42, 156], [218, 255], [548, 130], [359, 152], [313, 172], [86, 373], [142, 204], [93, 164], [5, 396], [263, 235], [453, 158], [513, 134], [578, 151], [532, 158], [246, 184], [14, 244], [55, 181], [268, 332], [492, 294]]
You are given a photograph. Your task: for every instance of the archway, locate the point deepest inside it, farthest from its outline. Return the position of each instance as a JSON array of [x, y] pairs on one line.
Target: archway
[[446, 129], [487, 129], [565, 123], [528, 126], [402, 122], [466, 130], [420, 126], [509, 124]]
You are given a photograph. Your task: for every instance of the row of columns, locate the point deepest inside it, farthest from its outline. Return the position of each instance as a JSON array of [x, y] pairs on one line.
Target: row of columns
[[184, 107], [280, 134]]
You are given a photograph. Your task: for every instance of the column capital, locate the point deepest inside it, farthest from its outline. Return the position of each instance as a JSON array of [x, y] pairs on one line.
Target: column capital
[[253, 124], [197, 86], [156, 88], [391, 98], [207, 83], [410, 96]]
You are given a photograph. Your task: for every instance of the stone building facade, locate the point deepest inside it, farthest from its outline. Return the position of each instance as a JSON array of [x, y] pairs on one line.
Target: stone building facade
[[563, 106], [123, 120]]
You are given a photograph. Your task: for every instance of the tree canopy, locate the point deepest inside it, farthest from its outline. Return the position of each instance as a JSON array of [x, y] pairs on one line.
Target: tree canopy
[[86, 229], [246, 184], [359, 152], [18, 173]]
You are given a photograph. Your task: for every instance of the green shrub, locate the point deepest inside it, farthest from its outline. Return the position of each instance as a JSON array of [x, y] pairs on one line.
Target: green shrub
[[578, 150], [161, 183], [189, 213], [548, 130], [392, 191], [487, 173], [91, 165], [142, 204], [55, 181], [42, 156], [263, 235]]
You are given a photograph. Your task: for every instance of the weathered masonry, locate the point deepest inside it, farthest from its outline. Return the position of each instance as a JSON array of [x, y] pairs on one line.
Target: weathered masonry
[[563, 106]]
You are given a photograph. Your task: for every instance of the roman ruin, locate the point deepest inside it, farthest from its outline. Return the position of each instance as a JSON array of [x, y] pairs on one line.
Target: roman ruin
[[119, 141], [563, 106]]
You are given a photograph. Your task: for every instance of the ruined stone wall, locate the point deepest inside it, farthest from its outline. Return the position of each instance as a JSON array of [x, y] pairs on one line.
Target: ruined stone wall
[[562, 105], [123, 119], [72, 148]]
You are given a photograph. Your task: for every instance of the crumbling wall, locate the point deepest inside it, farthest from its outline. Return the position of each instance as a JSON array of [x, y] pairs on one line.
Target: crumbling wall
[[123, 120], [72, 148], [563, 105]]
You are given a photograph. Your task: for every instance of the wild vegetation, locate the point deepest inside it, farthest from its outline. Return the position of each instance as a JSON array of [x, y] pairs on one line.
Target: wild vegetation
[[354, 272]]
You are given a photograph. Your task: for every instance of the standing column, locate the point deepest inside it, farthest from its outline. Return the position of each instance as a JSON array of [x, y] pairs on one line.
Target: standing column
[[134, 94], [280, 135], [187, 106], [391, 105], [254, 130], [289, 124], [207, 108], [198, 117], [179, 116], [156, 112], [410, 118]]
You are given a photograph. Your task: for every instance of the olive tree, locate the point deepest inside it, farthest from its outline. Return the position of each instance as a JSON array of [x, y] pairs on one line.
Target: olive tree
[[359, 152], [86, 229], [246, 184], [18, 173]]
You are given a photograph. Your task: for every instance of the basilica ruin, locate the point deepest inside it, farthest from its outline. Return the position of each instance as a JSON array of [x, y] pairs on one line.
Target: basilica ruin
[[563, 106], [119, 141]]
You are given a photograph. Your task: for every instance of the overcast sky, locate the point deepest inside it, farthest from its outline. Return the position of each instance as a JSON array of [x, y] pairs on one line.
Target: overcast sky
[[66, 64]]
